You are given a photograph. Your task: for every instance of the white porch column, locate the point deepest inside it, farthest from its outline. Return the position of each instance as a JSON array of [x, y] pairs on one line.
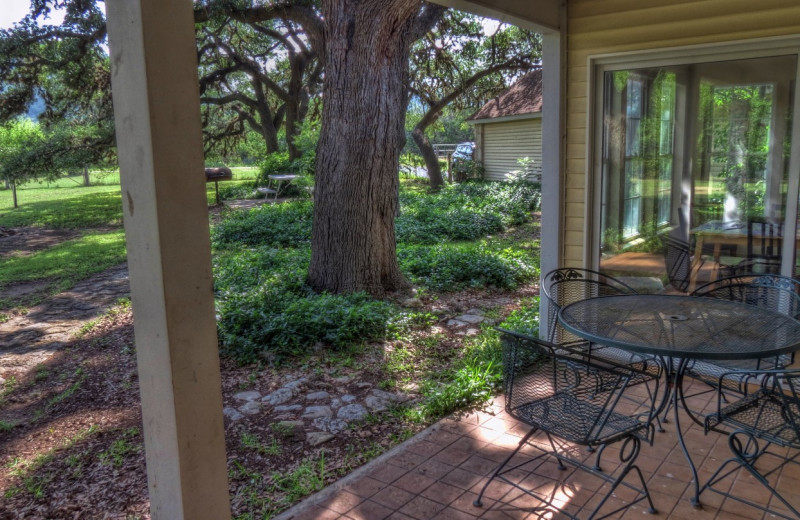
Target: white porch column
[[157, 114], [553, 131]]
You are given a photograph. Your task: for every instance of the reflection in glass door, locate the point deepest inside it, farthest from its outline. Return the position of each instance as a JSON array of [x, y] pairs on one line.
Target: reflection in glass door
[[699, 152]]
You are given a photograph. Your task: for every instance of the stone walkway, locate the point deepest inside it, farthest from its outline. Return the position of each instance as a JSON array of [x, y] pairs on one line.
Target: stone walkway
[[30, 339]]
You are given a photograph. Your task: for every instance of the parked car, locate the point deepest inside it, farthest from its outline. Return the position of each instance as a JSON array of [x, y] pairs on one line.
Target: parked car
[[463, 160], [464, 152]]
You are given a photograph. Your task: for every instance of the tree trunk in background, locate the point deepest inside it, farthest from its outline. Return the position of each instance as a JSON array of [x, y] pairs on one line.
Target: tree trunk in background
[[86, 176], [431, 159], [355, 201], [14, 193]]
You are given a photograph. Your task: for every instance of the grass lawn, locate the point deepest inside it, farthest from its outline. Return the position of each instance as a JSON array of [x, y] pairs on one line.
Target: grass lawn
[[66, 204], [58, 268]]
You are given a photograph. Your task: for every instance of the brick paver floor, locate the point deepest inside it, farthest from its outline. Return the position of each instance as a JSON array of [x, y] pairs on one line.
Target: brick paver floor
[[437, 475]]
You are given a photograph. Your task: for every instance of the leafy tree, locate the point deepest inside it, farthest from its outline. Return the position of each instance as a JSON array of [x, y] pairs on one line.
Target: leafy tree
[[15, 137], [255, 76], [457, 65]]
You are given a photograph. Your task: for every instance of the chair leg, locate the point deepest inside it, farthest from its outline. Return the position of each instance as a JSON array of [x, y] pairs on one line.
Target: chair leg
[[745, 456], [628, 453], [478, 502]]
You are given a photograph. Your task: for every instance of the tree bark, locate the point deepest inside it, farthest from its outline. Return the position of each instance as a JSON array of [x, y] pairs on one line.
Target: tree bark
[[430, 157], [355, 201], [14, 192], [86, 176]]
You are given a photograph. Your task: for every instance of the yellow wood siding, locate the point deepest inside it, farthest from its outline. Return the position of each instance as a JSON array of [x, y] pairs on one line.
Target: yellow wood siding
[[505, 142], [608, 26]]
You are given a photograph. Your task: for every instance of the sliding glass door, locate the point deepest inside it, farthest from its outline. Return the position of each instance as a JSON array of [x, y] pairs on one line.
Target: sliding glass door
[[700, 152]]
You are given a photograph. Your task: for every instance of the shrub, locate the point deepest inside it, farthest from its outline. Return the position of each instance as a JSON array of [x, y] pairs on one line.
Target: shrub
[[525, 319], [287, 224], [276, 162], [265, 307], [237, 191], [465, 211], [452, 267]]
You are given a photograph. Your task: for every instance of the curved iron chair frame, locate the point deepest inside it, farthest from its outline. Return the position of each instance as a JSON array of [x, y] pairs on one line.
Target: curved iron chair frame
[[567, 285], [750, 289], [766, 416], [559, 392]]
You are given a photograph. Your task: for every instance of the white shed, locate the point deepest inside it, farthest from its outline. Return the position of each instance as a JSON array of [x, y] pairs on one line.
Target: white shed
[[509, 127]]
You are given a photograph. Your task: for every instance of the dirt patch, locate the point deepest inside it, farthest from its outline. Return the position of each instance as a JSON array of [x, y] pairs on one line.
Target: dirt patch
[[27, 240], [18, 290]]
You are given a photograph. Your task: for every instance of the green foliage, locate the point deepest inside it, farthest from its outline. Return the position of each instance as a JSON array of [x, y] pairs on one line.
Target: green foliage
[[306, 143], [277, 162], [264, 304], [266, 310], [452, 267], [473, 379], [119, 450], [287, 224], [16, 137], [237, 191], [464, 211], [525, 319], [307, 478]]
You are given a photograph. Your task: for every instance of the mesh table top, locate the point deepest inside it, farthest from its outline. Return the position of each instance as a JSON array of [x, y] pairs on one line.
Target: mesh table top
[[682, 326]]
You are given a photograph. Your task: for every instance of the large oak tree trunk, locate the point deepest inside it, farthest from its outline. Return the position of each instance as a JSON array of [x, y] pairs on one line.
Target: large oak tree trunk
[[355, 200]]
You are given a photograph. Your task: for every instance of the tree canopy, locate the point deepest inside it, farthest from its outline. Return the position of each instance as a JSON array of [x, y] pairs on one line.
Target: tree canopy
[[459, 64]]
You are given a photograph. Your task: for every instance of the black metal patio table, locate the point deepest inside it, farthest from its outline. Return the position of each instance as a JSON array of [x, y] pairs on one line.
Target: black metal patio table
[[682, 328]]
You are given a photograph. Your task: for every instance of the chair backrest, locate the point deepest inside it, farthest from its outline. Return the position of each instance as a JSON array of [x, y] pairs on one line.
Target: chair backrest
[[561, 392], [564, 286], [678, 260], [764, 238], [775, 292]]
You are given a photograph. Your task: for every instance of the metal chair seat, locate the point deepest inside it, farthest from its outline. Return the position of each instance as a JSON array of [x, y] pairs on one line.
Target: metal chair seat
[[575, 420], [762, 413], [571, 400]]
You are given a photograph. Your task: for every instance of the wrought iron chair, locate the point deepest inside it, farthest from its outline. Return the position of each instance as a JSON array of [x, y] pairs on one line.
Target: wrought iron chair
[[767, 416], [570, 284], [774, 292], [567, 285], [764, 239], [564, 286], [751, 267], [572, 400], [679, 262]]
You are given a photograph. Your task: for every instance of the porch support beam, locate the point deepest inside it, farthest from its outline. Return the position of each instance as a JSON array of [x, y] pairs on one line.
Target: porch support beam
[[157, 115], [553, 145]]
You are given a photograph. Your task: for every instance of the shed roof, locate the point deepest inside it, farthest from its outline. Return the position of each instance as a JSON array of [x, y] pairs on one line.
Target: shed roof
[[523, 97]]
